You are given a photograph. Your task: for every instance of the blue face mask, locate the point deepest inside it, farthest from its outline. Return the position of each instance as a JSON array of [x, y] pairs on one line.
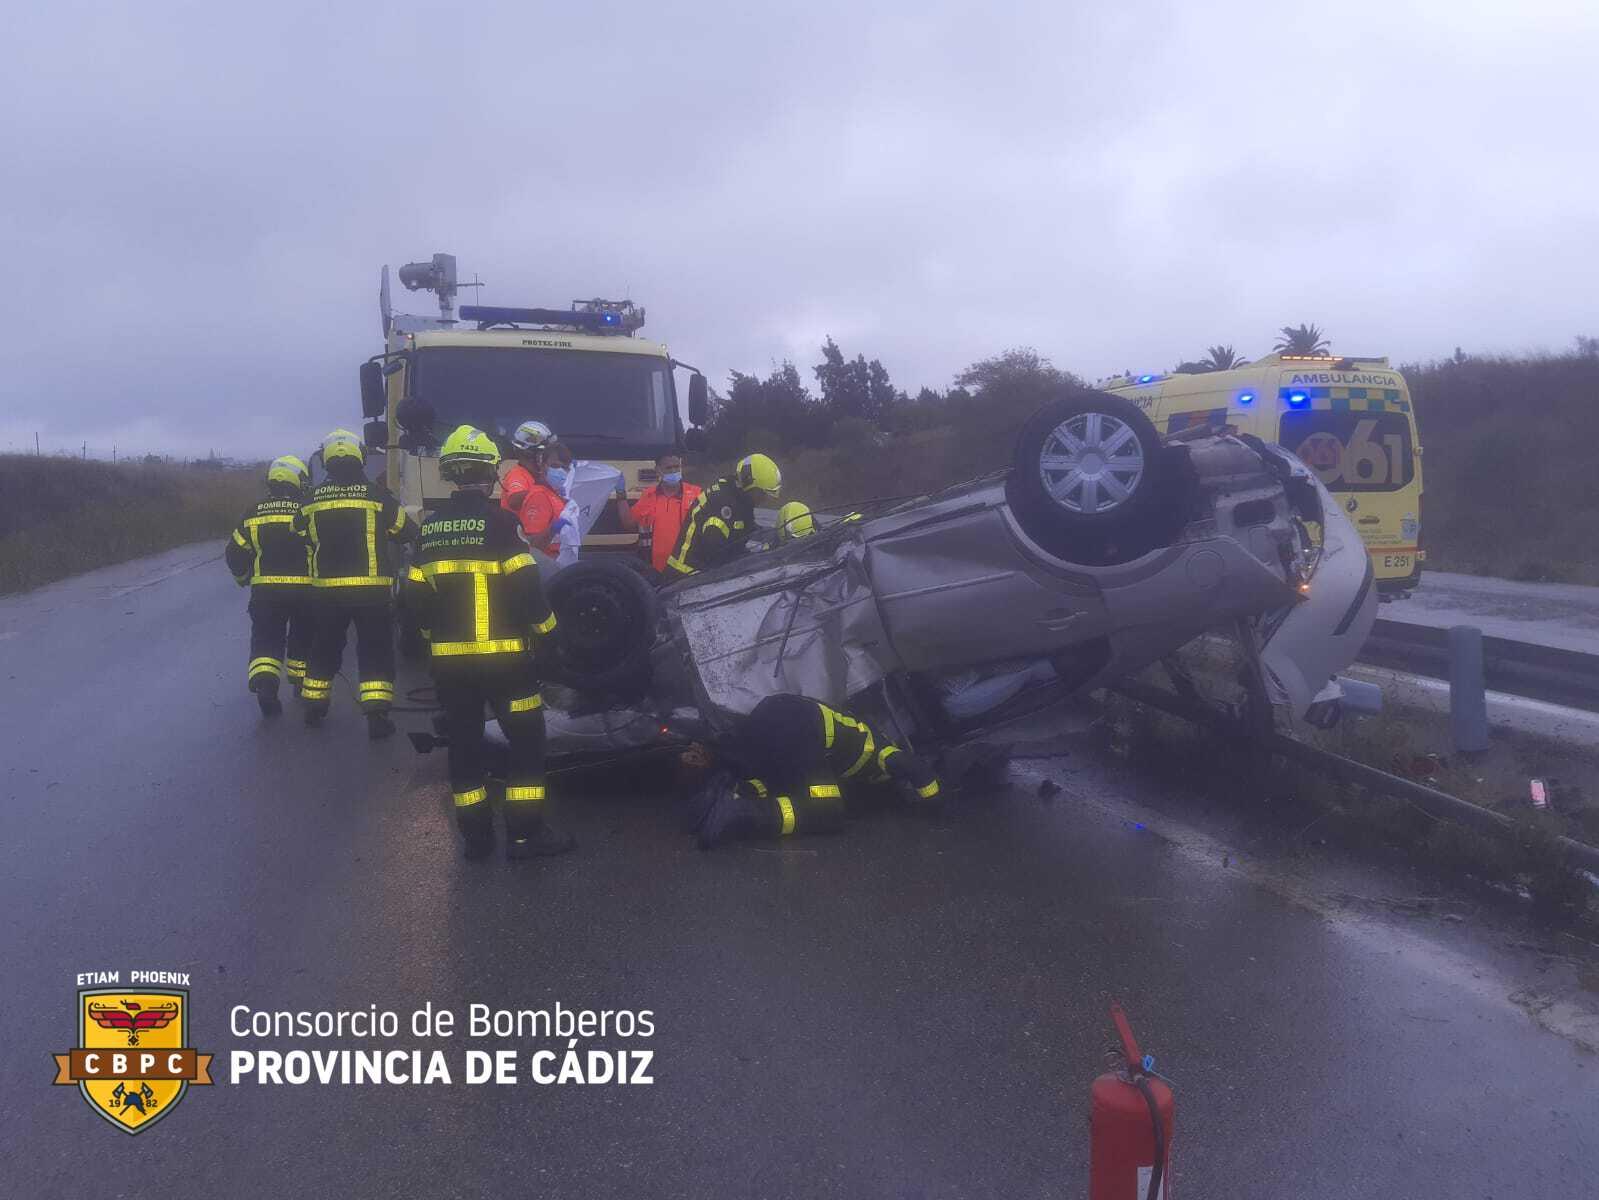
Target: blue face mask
[[556, 476], [672, 478]]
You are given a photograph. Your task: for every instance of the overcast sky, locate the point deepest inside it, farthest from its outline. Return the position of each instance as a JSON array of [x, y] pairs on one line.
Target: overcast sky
[[197, 197]]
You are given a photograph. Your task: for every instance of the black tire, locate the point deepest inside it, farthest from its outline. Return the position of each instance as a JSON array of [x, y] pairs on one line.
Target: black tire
[[606, 616], [1080, 502]]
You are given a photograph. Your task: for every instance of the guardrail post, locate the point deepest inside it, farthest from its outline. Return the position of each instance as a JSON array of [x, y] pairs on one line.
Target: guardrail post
[[1468, 698]]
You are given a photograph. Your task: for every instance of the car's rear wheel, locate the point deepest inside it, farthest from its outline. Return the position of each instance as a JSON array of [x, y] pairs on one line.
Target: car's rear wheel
[[606, 614], [1088, 477]]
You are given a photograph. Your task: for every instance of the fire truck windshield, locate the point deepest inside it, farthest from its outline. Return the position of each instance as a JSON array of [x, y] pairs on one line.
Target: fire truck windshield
[[603, 405]]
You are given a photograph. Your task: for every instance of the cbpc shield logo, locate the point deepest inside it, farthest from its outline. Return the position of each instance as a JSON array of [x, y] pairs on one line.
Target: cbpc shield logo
[[131, 1063]]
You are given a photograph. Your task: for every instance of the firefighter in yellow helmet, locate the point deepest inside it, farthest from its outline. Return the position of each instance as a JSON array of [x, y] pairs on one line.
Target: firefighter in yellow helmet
[[794, 520], [353, 526], [788, 768], [717, 528], [476, 593], [268, 555]]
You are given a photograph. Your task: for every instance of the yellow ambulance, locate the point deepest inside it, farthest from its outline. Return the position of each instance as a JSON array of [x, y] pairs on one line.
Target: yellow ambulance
[[1349, 419]]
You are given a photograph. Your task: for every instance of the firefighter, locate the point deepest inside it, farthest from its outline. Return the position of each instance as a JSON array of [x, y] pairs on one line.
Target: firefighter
[[353, 526], [795, 760], [659, 511], [268, 555], [475, 590], [794, 520], [720, 522]]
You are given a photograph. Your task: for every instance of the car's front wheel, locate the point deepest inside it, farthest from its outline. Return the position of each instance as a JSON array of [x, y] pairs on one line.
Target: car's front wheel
[[1088, 477]]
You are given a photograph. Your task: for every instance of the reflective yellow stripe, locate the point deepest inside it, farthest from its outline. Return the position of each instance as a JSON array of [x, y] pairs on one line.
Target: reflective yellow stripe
[[516, 563], [887, 752], [315, 689], [787, 807], [466, 799], [546, 626], [827, 726], [317, 506], [480, 608], [760, 788], [679, 565], [239, 537], [372, 540], [295, 664], [265, 666], [501, 646], [825, 791], [531, 792], [461, 566], [718, 523], [377, 685], [278, 519], [928, 791], [866, 752], [354, 581], [399, 522], [301, 579], [527, 703], [416, 576]]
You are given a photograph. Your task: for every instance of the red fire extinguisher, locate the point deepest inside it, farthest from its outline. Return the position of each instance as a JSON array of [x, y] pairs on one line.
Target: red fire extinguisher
[[1130, 1127]]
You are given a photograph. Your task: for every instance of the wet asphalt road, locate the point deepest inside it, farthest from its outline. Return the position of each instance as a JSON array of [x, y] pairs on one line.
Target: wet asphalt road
[[1565, 615], [914, 1009]]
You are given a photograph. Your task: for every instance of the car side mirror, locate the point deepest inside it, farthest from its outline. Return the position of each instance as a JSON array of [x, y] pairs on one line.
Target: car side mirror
[[376, 435], [694, 439], [699, 403], [373, 399]]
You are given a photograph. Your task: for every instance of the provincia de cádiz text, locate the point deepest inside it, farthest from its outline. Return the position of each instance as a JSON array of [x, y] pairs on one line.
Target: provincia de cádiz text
[[476, 1045]]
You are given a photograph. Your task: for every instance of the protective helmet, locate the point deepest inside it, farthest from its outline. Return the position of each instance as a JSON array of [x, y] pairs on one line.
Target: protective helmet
[[288, 469], [794, 521], [758, 473], [532, 435], [341, 443], [468, 452]]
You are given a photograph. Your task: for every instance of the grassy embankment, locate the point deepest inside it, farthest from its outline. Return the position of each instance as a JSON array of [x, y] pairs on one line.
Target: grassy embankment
[[62, 516]]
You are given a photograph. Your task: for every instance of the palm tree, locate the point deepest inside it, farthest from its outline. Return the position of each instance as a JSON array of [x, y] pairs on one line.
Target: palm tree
[[1222, 358], [1301, 339]]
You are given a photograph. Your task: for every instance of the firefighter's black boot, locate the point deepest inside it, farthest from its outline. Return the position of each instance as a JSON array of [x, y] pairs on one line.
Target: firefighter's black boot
[[541, 841], [265, 688], [476, 824], [739, 814], [379, 726], [699, 805]]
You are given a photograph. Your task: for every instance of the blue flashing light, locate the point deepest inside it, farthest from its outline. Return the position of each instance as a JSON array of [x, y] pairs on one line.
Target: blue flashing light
[[1246, 398], [1298, 400], [1146, 379]]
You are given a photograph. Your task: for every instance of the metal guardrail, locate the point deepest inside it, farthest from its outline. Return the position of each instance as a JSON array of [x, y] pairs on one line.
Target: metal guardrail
[[1556, 676], [1336, 766]]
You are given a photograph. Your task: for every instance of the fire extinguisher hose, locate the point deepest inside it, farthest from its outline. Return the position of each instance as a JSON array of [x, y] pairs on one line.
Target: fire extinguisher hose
[[1159, 1169]]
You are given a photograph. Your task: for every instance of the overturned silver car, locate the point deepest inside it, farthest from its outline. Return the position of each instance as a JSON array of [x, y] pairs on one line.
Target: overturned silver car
[[1102, 549]]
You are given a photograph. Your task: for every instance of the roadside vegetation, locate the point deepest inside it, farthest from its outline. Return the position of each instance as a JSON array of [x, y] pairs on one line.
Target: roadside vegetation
[[1510, 489], [61, 516]]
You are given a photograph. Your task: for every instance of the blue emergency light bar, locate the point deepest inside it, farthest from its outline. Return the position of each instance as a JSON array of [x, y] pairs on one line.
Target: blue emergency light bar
[[488, 314]]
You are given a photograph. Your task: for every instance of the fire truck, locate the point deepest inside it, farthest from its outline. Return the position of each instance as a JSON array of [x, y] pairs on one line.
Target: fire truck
[[607, 393]]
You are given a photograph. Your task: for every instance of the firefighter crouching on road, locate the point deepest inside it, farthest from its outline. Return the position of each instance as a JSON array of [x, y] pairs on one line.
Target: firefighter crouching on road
[[269, 555], [476, 592], [720, 522], [352, 525], [796, 759]]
